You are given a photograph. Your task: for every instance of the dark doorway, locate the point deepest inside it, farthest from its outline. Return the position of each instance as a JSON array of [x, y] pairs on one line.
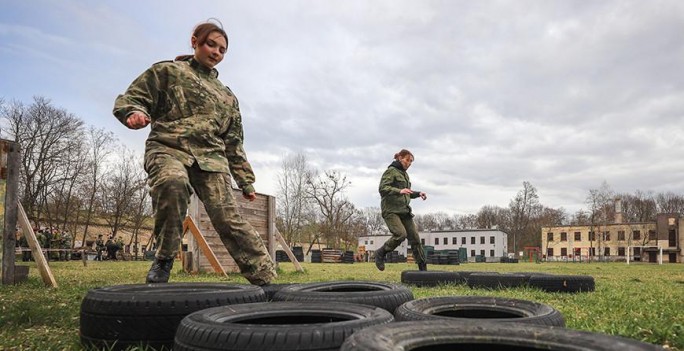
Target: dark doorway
[[673, 257], [672, 238], [653, 257]]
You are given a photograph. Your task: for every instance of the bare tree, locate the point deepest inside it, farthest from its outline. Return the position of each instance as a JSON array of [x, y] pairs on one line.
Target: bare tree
[[44, 134], [521, 210], [118, 191], [493, 216], [373, 222], [294, 207], [601, 211], [327, 191], [99, 144], [638, 207], [670, 203]]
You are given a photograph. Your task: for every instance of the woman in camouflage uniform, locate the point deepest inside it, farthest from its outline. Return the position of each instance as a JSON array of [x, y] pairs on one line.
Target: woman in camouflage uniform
[[395, 191], [195, 144]]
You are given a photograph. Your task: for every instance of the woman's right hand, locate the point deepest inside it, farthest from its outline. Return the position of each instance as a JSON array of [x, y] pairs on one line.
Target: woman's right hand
[[406, 191], [137, 120]]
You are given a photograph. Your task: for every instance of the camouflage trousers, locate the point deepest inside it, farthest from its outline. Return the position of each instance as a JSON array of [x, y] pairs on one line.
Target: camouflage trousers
[[402, 227], [171, 185]]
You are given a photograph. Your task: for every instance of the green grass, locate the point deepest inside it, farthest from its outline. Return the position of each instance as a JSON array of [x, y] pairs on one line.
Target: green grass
[[639, 301]]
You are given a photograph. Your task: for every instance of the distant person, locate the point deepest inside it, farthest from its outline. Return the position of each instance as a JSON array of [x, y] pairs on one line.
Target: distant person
[[195, 144], [99, 247], [396, 194], [112, 248]]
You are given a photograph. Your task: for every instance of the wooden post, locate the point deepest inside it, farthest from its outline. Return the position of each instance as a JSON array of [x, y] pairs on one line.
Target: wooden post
[[190, 225], [287, 250], [9, 172], [43, 267]]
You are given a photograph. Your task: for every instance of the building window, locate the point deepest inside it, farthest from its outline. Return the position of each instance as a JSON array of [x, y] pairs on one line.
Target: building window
[[436, 241], [592, 251], [652, 235], [549, 236], [564, 251], [472, 240], [564, 236], [371, 242], [636, 235], [637, 251], [578, 236], [492, 240], [446, 241], [621, 235], [454, 241], [482, 253], [621, 251], [491, 253], [472, 253], [606, 251], [463, 240], [592, 236], [365, 242], [482, 240], [549, 252], [606, 236], [422, 241]]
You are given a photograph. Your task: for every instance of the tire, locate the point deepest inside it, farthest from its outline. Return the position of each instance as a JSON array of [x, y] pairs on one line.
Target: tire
[[430, 278], [479, 309], [495, 281], [563, 283], [384, 295], [272, 289], [281, 326], [116, 317], [441, 335]]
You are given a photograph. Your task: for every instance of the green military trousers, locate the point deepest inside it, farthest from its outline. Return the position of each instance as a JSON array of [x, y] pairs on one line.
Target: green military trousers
[[171, 185], [403, 227]]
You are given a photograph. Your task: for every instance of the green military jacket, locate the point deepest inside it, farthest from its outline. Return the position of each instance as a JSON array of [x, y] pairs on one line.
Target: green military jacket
[[194, 118], [393, 180]]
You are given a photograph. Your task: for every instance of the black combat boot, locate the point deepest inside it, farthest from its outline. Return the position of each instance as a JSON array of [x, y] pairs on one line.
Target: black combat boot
[[380, 258], [422, 266], [160, 271]]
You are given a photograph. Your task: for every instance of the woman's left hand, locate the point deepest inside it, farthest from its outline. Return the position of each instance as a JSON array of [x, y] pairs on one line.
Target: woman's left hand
[[423, 195], [250, 196]]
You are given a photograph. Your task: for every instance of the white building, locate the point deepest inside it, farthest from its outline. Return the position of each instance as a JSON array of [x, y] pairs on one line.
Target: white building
[[484, 242]]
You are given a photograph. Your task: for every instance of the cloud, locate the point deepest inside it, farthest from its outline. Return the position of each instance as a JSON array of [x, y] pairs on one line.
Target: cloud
[[486, 94]]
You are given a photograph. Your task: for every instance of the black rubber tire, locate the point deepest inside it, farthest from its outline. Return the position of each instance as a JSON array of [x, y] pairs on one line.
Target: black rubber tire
[[431, 278], [563, 283], [443, 336], [493, 280], [479, 309], [116, 317], [271, 289], [281, 326], [384, 295]]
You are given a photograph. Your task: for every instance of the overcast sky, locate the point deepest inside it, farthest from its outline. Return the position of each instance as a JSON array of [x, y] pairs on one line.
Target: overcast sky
[[486, 94]]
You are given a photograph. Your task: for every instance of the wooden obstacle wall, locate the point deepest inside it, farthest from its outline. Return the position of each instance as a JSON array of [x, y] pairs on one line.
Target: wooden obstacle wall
[[260, 213]]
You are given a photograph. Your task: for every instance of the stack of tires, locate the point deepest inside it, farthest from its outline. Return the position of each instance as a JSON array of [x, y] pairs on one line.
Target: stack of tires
[[344, 315], [281, 256], [298, 253], [495, 281], [316, 256], [348, 257]]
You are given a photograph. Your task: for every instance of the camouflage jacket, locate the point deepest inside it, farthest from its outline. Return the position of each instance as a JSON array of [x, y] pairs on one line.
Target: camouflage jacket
[[393, 180], [194, 118]]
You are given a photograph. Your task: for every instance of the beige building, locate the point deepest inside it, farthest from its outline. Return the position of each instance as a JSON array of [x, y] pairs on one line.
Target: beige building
[[643, 241]]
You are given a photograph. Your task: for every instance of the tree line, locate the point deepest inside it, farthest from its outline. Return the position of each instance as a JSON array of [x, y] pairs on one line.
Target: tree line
[[71, 173]]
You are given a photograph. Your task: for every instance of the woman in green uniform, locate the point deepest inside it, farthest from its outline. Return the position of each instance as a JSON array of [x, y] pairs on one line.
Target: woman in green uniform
[[395, 191], [195, 145]]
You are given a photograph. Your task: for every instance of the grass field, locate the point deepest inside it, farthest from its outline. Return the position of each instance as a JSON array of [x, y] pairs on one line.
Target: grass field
[[639, 301]]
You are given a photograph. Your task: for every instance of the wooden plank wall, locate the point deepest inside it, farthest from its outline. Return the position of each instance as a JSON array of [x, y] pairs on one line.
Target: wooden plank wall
[[259, 213]]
